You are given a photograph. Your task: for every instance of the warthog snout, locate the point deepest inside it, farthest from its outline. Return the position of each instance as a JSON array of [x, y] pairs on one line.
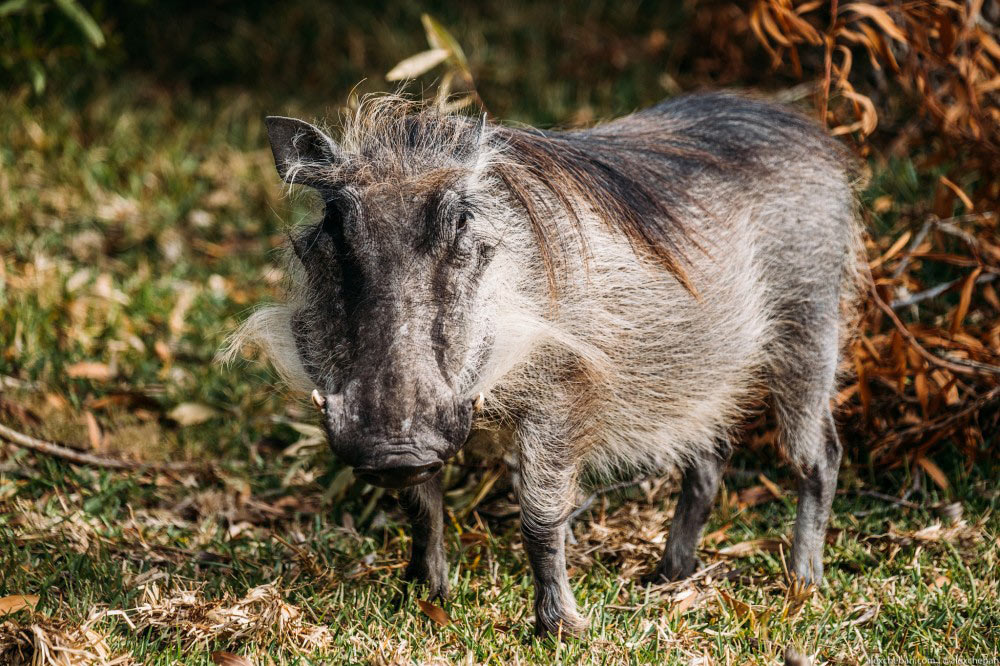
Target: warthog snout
[[395, 457], [398, 477]]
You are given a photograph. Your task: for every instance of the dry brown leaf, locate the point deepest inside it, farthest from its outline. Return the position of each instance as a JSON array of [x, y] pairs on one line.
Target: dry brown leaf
[[718, 535], [880, 16], [230, 659], [192, 413], [752, 547], [900, 243], [185, 299], [934, 472], [435, 613], [100, 372], [965, 299], [753, 496], [162, 350], [16, 602], [940, 581], [959, 192], [869, 116], [93, 431], [741, 609], [683, 600], [771, 486]]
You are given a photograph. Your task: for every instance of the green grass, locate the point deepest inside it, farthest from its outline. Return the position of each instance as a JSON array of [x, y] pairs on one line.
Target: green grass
[[112, 212]]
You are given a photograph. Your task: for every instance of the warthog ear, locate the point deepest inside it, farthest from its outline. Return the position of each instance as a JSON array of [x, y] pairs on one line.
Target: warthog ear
[[479, 133], [473, 138], [300, 150]]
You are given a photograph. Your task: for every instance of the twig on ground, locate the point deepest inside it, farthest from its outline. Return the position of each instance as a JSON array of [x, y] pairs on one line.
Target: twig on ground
[[958, 366], [80, 458], [947, 226], [936, 291], [914, 244], [949, 420], [884, 497]]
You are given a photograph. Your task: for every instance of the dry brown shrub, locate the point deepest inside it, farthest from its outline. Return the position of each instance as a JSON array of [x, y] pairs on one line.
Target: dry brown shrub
[[942, 53], [927, 362]]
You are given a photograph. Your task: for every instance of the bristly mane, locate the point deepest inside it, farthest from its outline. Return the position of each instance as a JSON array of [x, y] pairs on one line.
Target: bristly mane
[[630, 173], [583, 174]]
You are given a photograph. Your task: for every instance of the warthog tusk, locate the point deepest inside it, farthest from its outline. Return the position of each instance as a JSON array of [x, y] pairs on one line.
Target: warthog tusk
[[318, 400], [477, 404]]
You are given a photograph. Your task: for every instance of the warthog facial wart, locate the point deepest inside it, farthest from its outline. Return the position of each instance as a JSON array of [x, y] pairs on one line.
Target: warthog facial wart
[[618, 300]]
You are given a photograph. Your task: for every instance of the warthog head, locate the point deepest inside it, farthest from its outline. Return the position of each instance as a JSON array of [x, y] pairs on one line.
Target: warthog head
[[429, 277], [390, 276]]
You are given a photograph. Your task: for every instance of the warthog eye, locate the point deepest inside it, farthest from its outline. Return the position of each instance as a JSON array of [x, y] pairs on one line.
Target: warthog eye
[[462, 222]]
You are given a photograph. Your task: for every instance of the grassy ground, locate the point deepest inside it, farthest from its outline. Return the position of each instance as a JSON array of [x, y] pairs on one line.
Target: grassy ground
[[134, 234]]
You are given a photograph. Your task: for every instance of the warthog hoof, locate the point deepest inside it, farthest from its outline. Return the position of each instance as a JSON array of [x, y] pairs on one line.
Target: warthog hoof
[[669, 571], [572, 625], [432, 572]]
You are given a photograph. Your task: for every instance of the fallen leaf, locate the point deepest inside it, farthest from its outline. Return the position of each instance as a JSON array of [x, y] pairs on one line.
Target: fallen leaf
[[470, 538], [964, 300], [753, 496], [959, 192], [435, 613], [879, 16], [771, 486], [718, 535], [18, 412], [752, 547], [741, 609], [162, 350], [934, 472], [16, 602], [882, 204], [93, 431], [184, 301], [230, 659], [191, 413], [100, 372], [683, 600]]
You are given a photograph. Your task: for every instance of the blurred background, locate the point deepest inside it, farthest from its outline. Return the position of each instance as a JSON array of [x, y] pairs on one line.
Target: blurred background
[[141, 220]]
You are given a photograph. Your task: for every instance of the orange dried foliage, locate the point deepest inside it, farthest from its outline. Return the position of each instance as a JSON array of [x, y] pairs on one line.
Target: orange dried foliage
[[942, 53], [926, 366]]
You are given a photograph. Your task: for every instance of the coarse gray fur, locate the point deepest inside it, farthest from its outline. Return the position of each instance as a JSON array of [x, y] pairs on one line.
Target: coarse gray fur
[[623, 296]]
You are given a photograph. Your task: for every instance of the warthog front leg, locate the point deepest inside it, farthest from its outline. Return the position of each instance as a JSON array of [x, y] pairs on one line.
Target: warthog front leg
[[424, 504], [698, 491], [545, 486]]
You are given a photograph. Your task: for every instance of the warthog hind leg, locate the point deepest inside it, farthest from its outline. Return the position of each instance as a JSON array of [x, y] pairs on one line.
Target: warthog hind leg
[[698, 491], [819, 467]]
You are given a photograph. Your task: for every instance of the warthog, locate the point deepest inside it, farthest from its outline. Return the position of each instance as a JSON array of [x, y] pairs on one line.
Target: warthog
[[612, 299]]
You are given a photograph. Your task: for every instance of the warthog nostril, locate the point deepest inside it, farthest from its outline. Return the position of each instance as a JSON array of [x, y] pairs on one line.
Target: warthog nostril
[[398, 477]]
